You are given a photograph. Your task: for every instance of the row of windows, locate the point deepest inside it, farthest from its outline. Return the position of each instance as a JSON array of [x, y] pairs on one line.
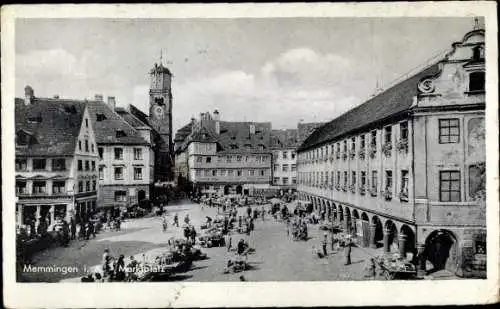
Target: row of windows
[[284, 180], [231, 173], [361, 140], [58, 164], [58, 187], [118, 152], [343, 181], [449, 133], [449, 183], [119, 175], [88, 165], [86, 144], [40, 187], [87, 188], [285, 167], [287, 154], [229, 159]]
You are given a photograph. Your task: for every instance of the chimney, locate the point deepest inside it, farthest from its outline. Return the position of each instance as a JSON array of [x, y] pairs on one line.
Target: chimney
[[29, 95], [217, 121], [98, 97], [252, 129], [112, 102]]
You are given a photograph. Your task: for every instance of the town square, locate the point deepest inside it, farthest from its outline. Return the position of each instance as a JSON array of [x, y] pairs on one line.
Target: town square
[[252, 151]]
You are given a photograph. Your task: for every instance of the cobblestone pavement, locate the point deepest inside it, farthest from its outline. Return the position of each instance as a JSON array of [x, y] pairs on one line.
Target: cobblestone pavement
[[277, 256]]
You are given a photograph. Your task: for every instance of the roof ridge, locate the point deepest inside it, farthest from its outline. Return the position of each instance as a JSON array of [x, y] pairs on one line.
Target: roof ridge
[[123, 120]]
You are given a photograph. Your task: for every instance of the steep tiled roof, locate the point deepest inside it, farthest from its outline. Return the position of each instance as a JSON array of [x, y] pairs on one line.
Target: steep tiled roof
[[389, 103], [131, 119], [306, 129], [287, 138], [105, 130], [183, 132], [235, 137], [56, 130]]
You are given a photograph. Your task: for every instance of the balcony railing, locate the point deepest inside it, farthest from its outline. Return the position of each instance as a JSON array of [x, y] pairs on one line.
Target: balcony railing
[[403, 196], [402, 145], [373, 191], [387, 149], [352, 153], [337, 186], [373, 151], [344, 156], [352, 188], [344, 188], [362, 190], [387, 193], [361, 154]]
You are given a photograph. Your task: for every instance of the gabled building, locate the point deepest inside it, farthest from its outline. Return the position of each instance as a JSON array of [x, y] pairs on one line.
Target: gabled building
[[56, 161], [403, 170], [223, 157], [126, 157]]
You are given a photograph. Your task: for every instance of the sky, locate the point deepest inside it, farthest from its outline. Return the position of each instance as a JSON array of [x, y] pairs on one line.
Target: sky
[[282, 70]]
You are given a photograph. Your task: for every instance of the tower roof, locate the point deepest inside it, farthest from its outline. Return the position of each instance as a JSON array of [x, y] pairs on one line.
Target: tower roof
[[159, 68]]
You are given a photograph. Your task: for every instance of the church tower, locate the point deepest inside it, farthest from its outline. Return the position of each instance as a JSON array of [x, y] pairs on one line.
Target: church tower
[[160, 115]]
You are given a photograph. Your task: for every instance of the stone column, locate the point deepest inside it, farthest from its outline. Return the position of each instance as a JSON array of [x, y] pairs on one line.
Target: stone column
[[373, 230], [421, 259], [346, 225], [353, 227], [402, 245], [387, 233], [20, 214], [37, 217], [52, 214]]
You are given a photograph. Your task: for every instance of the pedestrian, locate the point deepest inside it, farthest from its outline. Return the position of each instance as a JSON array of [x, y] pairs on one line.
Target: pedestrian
[[347, 251], [249, 211], [120, 268], [370, 269], [92, 228], [229, 243], [193, 235], [263, 213], [164, 223], [176, 220], [73, 228], [105, 263], [324, 244], [186, 219]]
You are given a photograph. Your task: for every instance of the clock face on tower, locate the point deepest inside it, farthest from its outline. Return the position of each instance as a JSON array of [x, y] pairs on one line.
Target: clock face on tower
[[158, 112]]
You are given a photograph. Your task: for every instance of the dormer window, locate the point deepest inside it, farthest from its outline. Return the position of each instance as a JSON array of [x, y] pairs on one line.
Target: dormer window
[[120, 133], [476, 81], [261, 147], [100, 117], [22, 139], [234, 146]]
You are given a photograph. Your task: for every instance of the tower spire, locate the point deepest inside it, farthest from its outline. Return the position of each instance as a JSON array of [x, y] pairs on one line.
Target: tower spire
[[161, 56], [476, 23]]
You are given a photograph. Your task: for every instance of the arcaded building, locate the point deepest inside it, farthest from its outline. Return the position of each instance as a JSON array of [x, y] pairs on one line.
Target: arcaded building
[[404, 171]]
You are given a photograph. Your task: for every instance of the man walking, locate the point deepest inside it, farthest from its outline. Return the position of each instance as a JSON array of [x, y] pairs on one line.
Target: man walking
[[324, 244], [176, 220], [347, 250]]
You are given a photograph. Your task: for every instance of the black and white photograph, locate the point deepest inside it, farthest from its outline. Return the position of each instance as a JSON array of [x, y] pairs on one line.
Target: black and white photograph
[[246, 150]]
